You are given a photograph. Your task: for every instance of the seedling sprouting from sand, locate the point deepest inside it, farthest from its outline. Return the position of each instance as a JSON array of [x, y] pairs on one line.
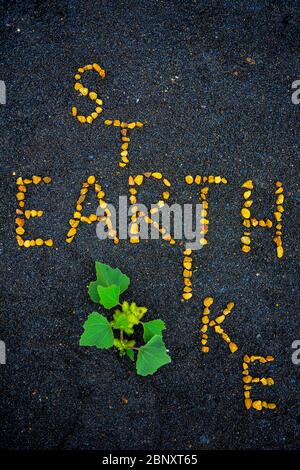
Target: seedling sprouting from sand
[[127, 318]]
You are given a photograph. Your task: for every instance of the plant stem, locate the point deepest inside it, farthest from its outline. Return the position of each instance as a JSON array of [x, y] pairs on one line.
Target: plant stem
[[122, 335]]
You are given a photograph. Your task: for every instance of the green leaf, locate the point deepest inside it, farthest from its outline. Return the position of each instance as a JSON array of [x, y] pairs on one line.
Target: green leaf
[[152, 356], [130, 354], [121, 322], [97, 332], [106, 276], [118, 343], [109, 296], [93, 293], [133, 314], [152, 328]]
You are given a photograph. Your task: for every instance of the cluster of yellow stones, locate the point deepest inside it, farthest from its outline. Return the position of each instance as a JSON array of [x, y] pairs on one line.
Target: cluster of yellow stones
[[23, 214], [187, 260], [187, 275], [278, 216], [78, 217], [248, 380], [138, 180], [84, 91], [125, 139], [215, 324], [249, 221], [203, 197]]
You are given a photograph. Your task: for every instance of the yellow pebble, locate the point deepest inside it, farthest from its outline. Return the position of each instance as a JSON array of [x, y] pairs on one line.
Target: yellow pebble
[[39, 242], [189, 179], [247, 379], [98, 110], [81, 119], [247, 194], [20, 241], [93, 95], [248, 403], [89, 119], [233, 347], [157, 175], [208, 301], [97, 68], [271, 406], [91, 179], [78, 86], [49, 242], [20, 230], [187, 289], [220, 319], [280, 199], [139, 179], [74, 111], [248, 184], [84, 91], [27, 243], [246, 240], [20, 221], [279, 251], [245, 213], [36, 179], [134, 229], [246, 248], [187, 265], [257, 405], [72, 232]]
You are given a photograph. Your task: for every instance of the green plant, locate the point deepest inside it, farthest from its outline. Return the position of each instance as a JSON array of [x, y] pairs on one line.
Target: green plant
[[98, 331]]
